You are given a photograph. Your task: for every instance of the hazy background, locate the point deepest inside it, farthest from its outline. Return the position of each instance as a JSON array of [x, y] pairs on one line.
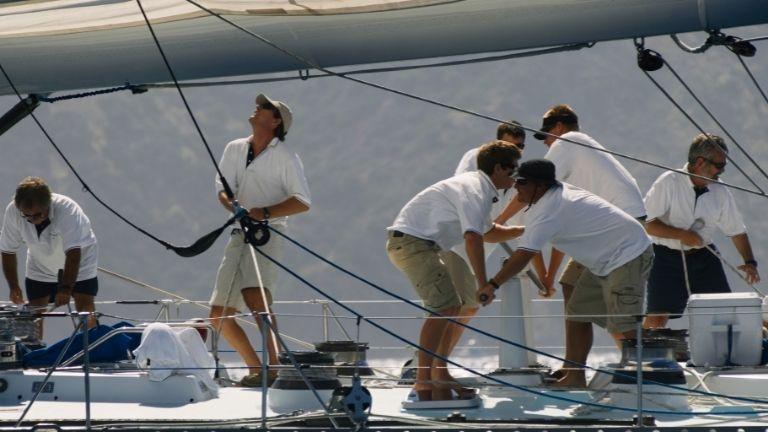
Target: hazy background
[[366, 153]]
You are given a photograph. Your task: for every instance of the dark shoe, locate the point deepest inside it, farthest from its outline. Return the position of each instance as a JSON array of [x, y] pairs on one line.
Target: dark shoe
[[255, 380]]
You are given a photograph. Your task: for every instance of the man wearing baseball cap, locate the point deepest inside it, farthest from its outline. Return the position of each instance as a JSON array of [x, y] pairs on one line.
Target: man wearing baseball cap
[[268, 180], [611, 245]]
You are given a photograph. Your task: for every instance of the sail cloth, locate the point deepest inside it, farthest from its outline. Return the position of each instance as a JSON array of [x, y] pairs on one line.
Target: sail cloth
[[166, 351], [75, 16]]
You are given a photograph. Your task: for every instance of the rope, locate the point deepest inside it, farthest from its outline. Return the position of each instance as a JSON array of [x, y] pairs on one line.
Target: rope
[[720, 125], [752, 77], [135, 89], [466, 326], [496, 380], [444, 105], [228, 190]]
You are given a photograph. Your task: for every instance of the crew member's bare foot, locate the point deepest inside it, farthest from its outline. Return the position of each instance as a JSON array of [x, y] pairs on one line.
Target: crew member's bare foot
[[423, 391], [557, 375], [445, 390], [571, 380]]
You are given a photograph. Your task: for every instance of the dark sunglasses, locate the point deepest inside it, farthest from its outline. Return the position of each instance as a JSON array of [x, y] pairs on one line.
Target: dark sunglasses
[[269, 106], [521, 181], [37, 215], [718, 165]]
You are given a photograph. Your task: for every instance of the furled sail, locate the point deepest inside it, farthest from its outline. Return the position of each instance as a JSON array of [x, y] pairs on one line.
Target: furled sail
[[55, 45]]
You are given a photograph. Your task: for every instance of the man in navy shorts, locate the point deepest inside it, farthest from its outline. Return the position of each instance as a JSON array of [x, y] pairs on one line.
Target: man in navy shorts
[[683, 215], [62, 252]]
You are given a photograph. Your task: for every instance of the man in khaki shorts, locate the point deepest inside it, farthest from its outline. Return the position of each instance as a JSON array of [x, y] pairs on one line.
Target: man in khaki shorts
[[268, 180], [611, 245], [451, 212]]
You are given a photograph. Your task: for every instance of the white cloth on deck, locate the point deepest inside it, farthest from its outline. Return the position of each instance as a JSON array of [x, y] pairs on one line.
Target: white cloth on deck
[[165, 351]]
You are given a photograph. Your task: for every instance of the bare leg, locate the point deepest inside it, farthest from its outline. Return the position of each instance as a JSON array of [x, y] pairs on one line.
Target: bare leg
[[235, 336], [442, 381], [573, 331], [257, 304], [84, 303], [453, 336], [430, 338], [577, 346]]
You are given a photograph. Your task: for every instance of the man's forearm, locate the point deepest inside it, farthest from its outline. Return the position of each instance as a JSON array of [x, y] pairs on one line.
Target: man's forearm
[[473, 243], [224, 200], [660, 229], [742, 244], [510, 210], [71, 267], [289, 207], [500, 233], [555, 259], [10, 270], [513, 265]]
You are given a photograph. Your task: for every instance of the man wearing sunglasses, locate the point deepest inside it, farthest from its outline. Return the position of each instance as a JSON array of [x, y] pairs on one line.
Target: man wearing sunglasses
[[58, 237], [452, 212], [683, 215], [267, 179], [611, 245]]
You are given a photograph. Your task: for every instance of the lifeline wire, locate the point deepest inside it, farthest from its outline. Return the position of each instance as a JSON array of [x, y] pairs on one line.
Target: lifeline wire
[[712, 116], [450, 107], [492, 378], [752, 77], [467, 326]]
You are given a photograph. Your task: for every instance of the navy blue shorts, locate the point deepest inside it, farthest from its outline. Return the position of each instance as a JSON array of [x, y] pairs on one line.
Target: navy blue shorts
[[37, 289], [666, 283]]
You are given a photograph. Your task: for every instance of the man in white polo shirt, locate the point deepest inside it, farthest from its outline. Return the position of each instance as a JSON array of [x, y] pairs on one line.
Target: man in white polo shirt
[[594, 171], [612, 246], [451, 212], [683, 215], [268, 180], [62, 253]]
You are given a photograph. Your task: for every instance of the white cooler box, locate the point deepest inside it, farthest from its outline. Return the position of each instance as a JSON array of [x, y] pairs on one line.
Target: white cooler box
[[710, 317]]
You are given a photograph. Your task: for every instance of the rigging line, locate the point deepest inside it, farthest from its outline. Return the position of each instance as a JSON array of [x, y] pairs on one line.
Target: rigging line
[[689, 49], [466, 326], [227, 189], [497, 380], [720, 125], [752, 77], [756, 39], [72, 168], [682, 111], [241, 320], [135, 89], [452, 107], [562, 48]]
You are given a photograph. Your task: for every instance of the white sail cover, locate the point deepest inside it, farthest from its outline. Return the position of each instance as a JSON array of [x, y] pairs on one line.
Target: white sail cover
[[73, 16]]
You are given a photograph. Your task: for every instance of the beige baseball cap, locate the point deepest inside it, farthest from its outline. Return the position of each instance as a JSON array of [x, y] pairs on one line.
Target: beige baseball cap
[[285, 112]]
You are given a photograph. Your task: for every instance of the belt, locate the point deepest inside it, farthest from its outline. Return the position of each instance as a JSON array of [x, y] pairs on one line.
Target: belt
[[398, 234], [687, 252]]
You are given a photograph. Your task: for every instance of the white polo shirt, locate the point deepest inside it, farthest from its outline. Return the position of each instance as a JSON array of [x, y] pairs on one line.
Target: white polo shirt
[[673, 201], [275, 175], [596, 171], [446, 210], [468, 163], [593, 231], [69, 229]]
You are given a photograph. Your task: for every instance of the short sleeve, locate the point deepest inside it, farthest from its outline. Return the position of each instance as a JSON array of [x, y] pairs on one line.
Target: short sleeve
[[730, 221], [72, 224], [474, 214], [228, 167], [467, 163], [538, 233], [294, 180], [657, 200], [10, 237], [563, 161]]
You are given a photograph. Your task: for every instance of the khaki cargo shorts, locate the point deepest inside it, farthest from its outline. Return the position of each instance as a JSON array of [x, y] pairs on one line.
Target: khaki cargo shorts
[[462, 277], [420, 261], [572, 273], [237, 271], [612, 301]]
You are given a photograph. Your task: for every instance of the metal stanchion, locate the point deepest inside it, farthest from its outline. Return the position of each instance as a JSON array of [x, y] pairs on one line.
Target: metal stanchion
[[84, 316], [639, 369], [264, 367]]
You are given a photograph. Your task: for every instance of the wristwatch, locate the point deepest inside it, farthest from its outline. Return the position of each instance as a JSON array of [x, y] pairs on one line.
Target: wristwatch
[[265, 210], [751, 262], [493, 283]]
